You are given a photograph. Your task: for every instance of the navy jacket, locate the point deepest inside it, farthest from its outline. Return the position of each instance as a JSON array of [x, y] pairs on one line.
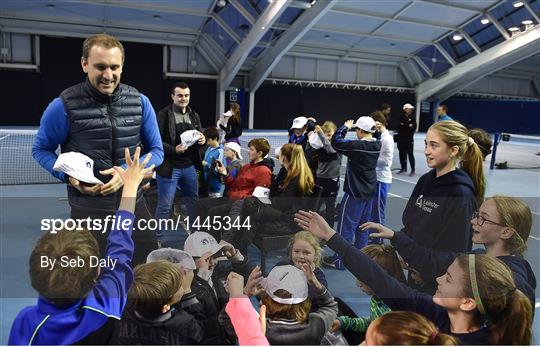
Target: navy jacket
[[432, 264], [47, 324], [362, 156], [439, 211], [398, 296]]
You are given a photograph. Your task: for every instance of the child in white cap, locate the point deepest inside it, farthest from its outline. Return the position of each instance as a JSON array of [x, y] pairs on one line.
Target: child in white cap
[[233, 158], [360, 182], [210, 278], [289, 321]]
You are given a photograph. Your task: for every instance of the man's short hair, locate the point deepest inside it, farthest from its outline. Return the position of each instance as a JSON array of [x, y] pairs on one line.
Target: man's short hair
[[154, 287], [379, 117], [181, 85], [103, 40], [211, 133], [384, 106], [260, 145], [64, 285], [444, 107]]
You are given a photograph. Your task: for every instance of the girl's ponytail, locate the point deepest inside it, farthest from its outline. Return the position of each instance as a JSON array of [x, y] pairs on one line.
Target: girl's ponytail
[[473, 163], [514, 324]]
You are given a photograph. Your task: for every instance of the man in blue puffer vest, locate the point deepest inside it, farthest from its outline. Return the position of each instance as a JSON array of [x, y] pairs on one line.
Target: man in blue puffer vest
[[100, 117]]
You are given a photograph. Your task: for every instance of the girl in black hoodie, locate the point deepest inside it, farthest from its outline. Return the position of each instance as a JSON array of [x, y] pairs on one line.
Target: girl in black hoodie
[[444, 199], [502, 225], [476, 299]]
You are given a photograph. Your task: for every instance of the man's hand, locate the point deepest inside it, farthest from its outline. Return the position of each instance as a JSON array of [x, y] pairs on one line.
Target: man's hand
[[203, 263], [227, 249], [114, 184], [314, 223], [84, 189], [179, 149], [382, 231], [235, 285], [202, 140], [349, 124]]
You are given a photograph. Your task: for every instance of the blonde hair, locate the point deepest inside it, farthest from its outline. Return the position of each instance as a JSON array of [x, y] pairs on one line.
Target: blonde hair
[[311, 240], [456, 134], [515, 214], [409, 328], [507, 309], [275, 310], [298, 167], [329, 126]]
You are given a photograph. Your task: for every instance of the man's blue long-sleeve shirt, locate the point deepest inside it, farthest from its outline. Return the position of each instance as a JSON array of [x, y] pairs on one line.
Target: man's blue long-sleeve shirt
[[54, 130]]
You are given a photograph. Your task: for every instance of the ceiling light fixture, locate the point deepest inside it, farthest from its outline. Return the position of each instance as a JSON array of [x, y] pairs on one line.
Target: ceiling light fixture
[[513, 29], [517, 3], [50, 6], [484, 21], [157, 17], [527, 22], [457, 37], [221, 3]]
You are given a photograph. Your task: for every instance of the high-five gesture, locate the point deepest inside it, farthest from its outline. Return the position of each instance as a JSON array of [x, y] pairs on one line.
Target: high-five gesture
[[131, 177], [382, 231], [314, 223]]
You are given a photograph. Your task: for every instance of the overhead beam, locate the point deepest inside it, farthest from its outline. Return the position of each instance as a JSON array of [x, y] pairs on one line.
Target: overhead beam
[[340, 50], [470, 41], [245, 13], [261, 26], [368, 34], [498, 25], [227, 28], [337, 58], [288, 39], [531, 11], [405, 71], [506, 53], [445, 54], [536, 84], [423, 66], [368, 14], [147, 6]]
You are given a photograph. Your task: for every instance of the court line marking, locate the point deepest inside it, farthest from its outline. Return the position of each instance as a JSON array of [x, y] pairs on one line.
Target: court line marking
[[537, 305]]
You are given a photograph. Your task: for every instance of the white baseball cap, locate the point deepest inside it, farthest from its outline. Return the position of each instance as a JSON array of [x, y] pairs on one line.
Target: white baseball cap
[[233, 146], [277, 151], [314, 140], [190, 137], [263, 194], [175, 256], [289, 278], [200, 242], [78, 166], [406, 106], [299, 122], [365, 123], [227, 114]]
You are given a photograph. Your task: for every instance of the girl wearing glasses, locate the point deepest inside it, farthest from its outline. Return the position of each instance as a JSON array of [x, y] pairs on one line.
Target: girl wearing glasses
[[502, 225], [476, 299]]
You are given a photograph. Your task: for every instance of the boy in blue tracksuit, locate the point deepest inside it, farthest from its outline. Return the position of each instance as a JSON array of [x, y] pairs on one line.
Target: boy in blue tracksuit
[[360, 182], [212, 157], [80, 303]]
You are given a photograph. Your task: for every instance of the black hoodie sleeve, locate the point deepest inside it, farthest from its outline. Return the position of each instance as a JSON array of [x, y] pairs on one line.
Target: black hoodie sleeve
[[395, 294], [429, 263]]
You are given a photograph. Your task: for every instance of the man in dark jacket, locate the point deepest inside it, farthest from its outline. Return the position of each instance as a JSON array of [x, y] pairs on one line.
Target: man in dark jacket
[[179, 169], [405, 140], [100, 118]]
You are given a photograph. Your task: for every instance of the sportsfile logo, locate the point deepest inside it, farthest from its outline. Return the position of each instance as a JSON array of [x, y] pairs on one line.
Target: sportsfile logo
[[426, 205]]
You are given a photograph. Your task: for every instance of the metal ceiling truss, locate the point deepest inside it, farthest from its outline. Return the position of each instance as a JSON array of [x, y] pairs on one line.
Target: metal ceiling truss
[[287, 40], [423, 66], [470, 41], [497, 96], [335, 58], [531, 11], [342, 50], [272, 12], [369, 34], [148, 6], [519, 47], [444, 53], [338, 85], [450, 5]]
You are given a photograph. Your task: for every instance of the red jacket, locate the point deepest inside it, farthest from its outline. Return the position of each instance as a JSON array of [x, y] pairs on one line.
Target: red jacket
[[250, 176]]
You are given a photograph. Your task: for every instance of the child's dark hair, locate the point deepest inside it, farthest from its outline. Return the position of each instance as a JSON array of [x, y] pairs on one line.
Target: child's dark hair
[[211, 133], [386, 256], [260, 145], [409, 328], [379, 117], [154, 287], [64, 285], [483, 140]]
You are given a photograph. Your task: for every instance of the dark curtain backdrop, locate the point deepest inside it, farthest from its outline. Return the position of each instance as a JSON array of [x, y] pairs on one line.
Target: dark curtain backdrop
[[25, 95], [275, 105], [516, 117]]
